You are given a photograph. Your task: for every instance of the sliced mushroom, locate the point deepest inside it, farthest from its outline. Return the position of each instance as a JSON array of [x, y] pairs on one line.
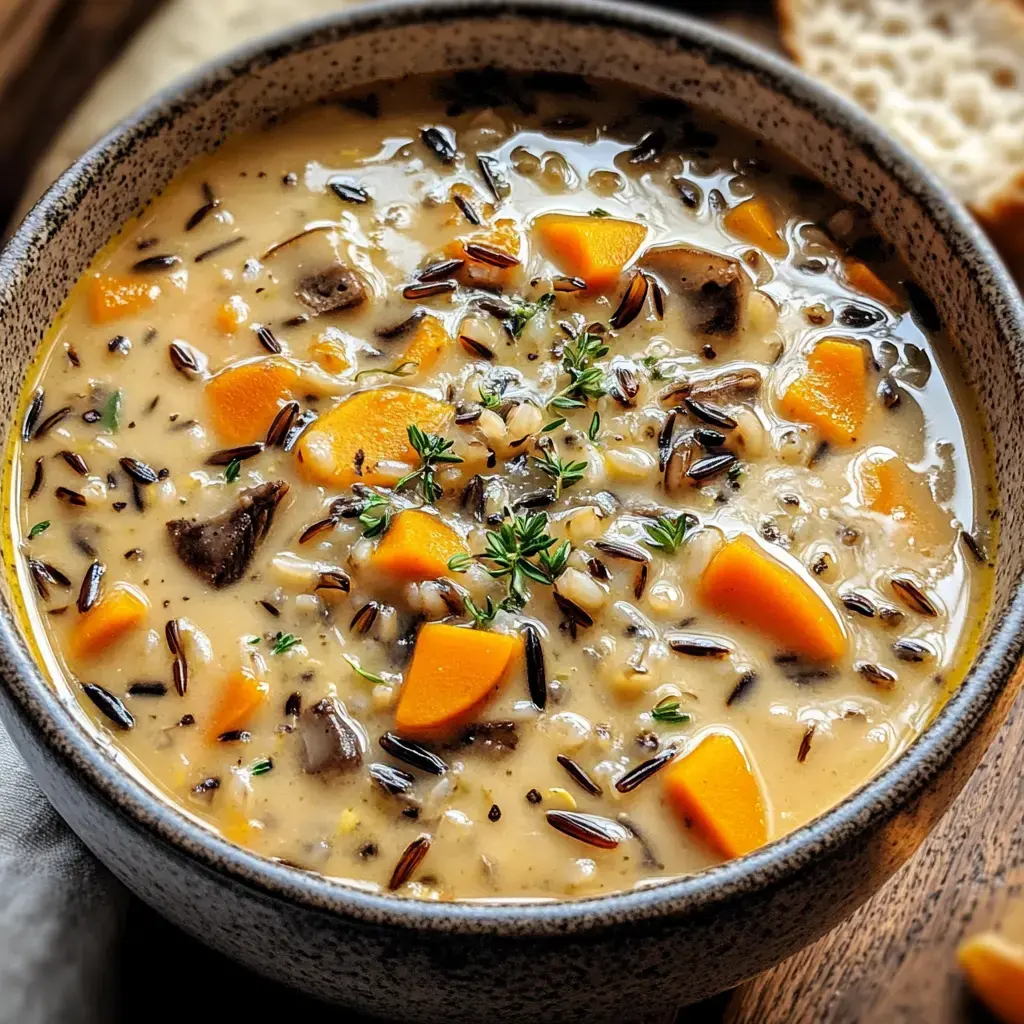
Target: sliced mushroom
[[332, 741], [331, 290], [220, 549], [491, 738], [714, 288]]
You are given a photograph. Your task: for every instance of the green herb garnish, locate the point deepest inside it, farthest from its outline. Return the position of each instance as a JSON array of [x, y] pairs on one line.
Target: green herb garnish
[[523, 312], [553, 425], [667, 533], [284, 642], [433, 451], [376, 515], [111, 415], [594, 430], [735, 472], [253, 640], [359, 670], [38, 529], [599, 211], [261, 766], [233, 470], [667, 710], [586, 381], [489, 399], [482, 617], [565, 474], [509, 550], [652, 364]]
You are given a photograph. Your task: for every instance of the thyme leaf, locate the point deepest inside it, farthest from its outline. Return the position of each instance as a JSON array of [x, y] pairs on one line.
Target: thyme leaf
[[433, 451], [667, 533], [111, 415], [667, 710], [565, 474], [284, 642], [38, 529], [360, 671]]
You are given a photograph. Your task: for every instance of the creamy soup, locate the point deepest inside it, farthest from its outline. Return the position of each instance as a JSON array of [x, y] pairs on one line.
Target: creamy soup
[[500, 488]]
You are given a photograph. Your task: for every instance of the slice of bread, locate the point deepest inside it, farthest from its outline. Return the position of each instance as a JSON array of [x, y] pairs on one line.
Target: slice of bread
[[944, 76]]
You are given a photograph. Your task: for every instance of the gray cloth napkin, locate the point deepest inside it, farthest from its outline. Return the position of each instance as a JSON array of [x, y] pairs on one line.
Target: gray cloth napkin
[[61, 912]]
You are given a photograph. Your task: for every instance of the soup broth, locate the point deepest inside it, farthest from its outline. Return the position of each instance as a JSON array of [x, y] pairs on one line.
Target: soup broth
[[490, 488]]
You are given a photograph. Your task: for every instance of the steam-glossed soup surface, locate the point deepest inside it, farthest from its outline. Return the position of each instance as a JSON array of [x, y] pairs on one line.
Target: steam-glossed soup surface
[[487, 489]]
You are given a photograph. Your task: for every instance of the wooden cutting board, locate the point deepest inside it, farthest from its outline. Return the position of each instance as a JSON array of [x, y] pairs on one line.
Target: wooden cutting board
[[894, 960]]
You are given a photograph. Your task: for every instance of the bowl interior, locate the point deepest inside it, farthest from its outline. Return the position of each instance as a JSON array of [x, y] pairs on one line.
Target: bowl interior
[[943, 250]]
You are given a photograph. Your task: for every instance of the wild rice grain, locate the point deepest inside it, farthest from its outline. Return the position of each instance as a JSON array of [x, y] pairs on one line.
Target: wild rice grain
[[409, 861], [112, 707], [587, 828], [413, 754], [642, 772], [89, 592], [579, 775], [536, 674]]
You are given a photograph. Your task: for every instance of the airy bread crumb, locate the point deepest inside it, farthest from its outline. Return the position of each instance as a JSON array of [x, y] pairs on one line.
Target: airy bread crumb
[[944, 76]]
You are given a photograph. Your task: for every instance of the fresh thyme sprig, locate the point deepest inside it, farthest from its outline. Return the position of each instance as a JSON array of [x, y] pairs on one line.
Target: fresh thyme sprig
[[667, 533], [509, 551], [668, 710], [565, 474], [433, 451], [482, 617], [586, 381], [523, 312], [284, 642], [489, 399], [375, 517]]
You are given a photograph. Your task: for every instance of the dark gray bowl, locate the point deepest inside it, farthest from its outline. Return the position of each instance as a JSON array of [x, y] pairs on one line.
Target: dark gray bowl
[[633, 956]]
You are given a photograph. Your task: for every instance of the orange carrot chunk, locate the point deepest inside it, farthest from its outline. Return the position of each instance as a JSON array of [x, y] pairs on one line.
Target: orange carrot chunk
[[995, 973], [860, 276], [241, 696], [593, 248], [454, 672], [243, 400], [122, 609], [429, 341], [747, 585], [349, 442], [417, 546], [111, 298], [832, 394], [754, 222], [715, 791], [231, 315]]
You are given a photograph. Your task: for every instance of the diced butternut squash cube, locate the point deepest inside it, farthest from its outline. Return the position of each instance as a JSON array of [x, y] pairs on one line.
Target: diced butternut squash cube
[[891, 488], [754, 221], [417, 546], [111, 298], [454, 672], [596, 249], [747, 585], [429, 342], [715, 791], [243, 399], [995, 973], [367, 429], [832, 394], [861, 277], [241, 696], [329, 352], [503, 236], [231, 315], [119, 611]]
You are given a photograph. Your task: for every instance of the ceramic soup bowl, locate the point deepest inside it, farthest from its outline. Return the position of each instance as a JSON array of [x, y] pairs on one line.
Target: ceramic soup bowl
[[605, 958]]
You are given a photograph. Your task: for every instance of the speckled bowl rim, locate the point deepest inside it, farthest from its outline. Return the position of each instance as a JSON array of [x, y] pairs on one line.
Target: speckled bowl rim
[[866, 809]]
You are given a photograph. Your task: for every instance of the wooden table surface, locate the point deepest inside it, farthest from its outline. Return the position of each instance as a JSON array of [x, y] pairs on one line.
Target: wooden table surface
[[893, 962]]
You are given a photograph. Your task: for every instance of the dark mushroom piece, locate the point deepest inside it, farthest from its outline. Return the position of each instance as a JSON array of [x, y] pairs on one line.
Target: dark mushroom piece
[[714, 288], [331, 290], [332, 741], [219, 550]]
